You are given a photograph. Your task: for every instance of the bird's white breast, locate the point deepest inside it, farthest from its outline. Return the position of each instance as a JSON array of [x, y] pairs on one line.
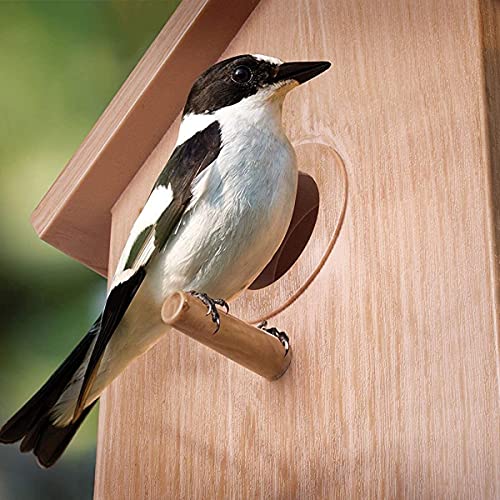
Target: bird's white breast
[[241, 209]]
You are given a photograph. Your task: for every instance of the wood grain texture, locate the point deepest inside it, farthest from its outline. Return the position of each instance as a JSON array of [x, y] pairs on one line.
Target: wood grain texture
[[75, 214], [393, 391], [490, 17]]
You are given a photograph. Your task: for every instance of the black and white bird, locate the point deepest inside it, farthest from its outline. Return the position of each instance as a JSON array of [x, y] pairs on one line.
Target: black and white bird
[[215, 217]]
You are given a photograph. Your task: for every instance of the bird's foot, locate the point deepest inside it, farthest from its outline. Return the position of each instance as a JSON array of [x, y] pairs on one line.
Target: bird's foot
[[212, 306], [282, 336]]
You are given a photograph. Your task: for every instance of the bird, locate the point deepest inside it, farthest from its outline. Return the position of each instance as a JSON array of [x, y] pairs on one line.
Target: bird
[[214, 218]]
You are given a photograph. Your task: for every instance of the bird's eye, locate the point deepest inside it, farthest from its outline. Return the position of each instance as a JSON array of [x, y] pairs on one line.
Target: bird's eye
[[241, 74]]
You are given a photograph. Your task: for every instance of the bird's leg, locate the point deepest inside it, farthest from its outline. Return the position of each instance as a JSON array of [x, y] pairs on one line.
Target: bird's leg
[[282, 336], [211, 306]]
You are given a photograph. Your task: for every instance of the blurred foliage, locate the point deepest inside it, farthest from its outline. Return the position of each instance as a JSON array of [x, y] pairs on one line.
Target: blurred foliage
[[61, 62]]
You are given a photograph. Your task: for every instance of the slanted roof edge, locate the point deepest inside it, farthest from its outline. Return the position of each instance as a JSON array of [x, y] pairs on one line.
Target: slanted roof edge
[[75, 214]]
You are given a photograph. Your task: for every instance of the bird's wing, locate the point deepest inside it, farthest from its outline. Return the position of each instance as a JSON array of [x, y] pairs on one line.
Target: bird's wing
[[161, 213]]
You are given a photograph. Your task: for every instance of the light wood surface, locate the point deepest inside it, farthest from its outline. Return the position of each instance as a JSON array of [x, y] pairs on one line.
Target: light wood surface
[[245, 344], [393, 391], [75, 214]]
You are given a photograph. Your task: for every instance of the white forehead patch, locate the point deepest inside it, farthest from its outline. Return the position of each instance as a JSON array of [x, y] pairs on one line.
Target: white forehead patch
[[269, 59]]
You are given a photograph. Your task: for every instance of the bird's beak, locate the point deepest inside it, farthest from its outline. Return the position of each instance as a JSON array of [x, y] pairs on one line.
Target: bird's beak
[[300, 71]]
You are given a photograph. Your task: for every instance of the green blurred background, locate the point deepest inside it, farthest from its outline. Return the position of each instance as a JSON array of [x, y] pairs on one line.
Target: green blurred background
[[60, 65]]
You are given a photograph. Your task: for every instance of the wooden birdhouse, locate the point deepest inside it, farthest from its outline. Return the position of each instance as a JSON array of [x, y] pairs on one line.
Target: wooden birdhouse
[[387, 283]]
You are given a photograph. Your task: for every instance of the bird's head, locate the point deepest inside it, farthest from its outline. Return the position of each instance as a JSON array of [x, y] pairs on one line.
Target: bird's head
[[261, 79]]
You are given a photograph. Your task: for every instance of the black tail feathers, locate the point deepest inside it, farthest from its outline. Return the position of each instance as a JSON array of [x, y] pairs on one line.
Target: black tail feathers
[[32, 423]]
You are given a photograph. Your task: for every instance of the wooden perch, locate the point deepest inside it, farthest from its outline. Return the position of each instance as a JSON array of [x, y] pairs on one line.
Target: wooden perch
[[245, 344]]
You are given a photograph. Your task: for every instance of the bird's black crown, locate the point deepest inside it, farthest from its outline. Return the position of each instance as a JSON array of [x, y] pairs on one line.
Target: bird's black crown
[[228, 82]]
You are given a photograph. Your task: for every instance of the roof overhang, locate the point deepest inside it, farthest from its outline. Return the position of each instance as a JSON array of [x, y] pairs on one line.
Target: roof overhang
[[75, 214]]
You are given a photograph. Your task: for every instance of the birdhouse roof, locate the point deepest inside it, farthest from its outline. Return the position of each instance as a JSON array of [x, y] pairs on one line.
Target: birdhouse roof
[[75, 214]]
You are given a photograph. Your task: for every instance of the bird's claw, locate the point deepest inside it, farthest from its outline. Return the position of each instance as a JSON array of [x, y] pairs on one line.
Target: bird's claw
[[222, 303], [282, 336], [212, 307]]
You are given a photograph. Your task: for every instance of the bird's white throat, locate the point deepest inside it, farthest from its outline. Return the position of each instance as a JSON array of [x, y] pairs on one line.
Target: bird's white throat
[[264, 110]]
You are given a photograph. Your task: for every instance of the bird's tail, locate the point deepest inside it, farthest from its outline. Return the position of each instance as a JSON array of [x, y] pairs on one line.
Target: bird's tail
[[34, 423]]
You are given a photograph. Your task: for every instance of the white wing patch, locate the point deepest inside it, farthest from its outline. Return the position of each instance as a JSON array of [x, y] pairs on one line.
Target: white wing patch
[[157, 203], [121, 277], [192, 124]]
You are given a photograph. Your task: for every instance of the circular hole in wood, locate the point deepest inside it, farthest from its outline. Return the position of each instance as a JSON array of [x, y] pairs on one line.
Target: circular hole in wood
[[301, 227], [297, 268]]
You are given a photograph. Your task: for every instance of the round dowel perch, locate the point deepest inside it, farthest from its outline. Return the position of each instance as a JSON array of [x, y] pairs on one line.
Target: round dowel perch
[[245, 344]]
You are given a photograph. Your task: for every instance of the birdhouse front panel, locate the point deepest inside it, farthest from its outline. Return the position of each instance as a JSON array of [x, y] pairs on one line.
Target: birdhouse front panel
[[385, 284]]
